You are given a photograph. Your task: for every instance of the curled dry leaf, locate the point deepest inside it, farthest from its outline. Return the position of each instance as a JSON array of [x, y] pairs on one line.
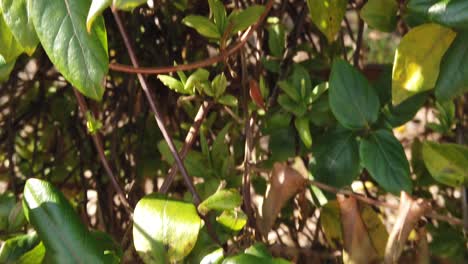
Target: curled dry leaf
[[409, 212], [285, 182], [256, 94], [358, 246]]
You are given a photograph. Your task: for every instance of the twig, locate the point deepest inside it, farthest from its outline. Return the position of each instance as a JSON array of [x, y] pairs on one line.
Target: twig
[[100, 149], [189, 140], [157, 116], [199, 64], [357, 53]]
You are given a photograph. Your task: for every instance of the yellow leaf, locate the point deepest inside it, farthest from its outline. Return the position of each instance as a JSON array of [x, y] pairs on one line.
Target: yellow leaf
[[327, 15], [417, 60]]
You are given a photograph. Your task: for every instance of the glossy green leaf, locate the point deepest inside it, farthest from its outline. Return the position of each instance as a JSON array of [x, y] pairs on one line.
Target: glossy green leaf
[[258, 253], [195, 79], [219, 85], [451, 13], [7, 203], [318, 91], [16, 15], [383, 156], [219, 14], [298, 109], [127, 5], [302, 125], [353, 101], [172, 83], [65, 238], [96, 9], [202, 25], [447, 163], [417, 60], [214, 257], [164, 229], [221, 200], [233, 220], [380, 14], [15, 247], [10, 48], [327, 16], [453, 76], [81, 57], [290, 90], [276, 39], [241, 20], [336, 156]]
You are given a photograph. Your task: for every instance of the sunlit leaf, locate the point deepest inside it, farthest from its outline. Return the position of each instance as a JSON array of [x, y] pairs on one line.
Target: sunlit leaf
[[10, 48], [241, 20], [96, 9], [221, 200], [164, 229], [417, 60], [202, 25], [451, 13], [327, 16], [15, 247]]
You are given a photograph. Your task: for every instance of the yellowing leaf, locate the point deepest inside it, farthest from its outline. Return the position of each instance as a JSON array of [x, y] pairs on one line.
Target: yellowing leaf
[[327, 15], [417, 60]]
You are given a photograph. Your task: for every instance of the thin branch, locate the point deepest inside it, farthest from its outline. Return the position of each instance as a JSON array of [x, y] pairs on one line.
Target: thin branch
[[357, 53], [102, 156], [224, 54], [189, 140]]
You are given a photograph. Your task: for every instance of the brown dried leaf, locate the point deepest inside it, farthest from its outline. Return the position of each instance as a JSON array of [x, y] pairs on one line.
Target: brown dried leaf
[[357, 244], [285, 182], [409, 213]]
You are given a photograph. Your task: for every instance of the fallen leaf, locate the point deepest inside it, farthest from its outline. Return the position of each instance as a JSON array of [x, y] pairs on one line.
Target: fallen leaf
[[409, 213], [285, 182]]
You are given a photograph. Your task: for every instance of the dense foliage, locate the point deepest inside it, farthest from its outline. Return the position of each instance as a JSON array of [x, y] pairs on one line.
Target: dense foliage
[[313, 131]]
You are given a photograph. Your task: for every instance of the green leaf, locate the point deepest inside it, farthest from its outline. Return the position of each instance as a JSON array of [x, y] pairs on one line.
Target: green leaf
[[446, 162], [303, 129], [290, 90], [65, 238], [233, 220], [241, 20], [195, 79], [453, 76], [5, 69], [451, 13], [219, 85], [228, 100], [10, 48], [96, 9], [16, 218], [128, 5], [219, 15], [81, 57], [380, 14], [298, 109], [7, 203], [327, 16], [173, 84], [318, 91], [336, 158], [282, 144], [16, 15], [258, 253], [353, 101], [276, 39], [220, 150], [35, 256], [404, 112], [417, 60], [221, 200], [383, 156], [202, 25], [15, 247], [164, 229]]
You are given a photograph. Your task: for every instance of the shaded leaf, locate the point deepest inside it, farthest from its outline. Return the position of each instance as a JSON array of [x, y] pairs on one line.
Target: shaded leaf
[[303, 129], [405, 111], [5, 69], [16, 15], [336, 158], [276, 39], [127, 5], [380, 14], [285, 182], [451, 13], [65, 238], [383, 156], [353, 101], [96, 9], [330, 220], [229, 100], [221, 200], [81, 57], [164, 229], [417, 60], [453, 76], [446, 162], [202, 25], [7, 203], [409, 213], [241, 20], [327, 16], [219, 85]]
